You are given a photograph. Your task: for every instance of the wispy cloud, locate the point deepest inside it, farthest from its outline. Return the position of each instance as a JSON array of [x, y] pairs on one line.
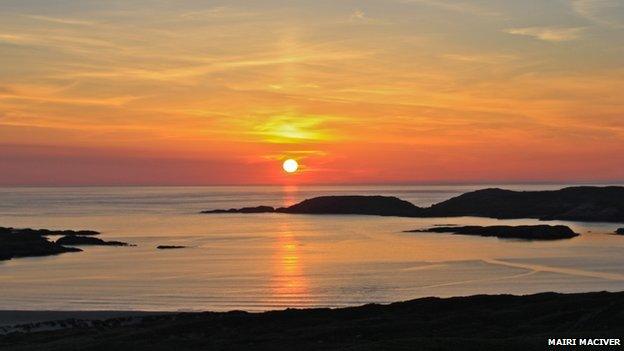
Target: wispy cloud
[[14, 38], [225, 64], [219, 12], [479, 58], [360, 17], [290, 128], [554, 34], [54, 94], [357, 15], [67, 21], [457, 6], [604, 12]]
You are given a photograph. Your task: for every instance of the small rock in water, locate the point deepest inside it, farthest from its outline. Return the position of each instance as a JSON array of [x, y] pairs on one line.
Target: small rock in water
[[169, 247]]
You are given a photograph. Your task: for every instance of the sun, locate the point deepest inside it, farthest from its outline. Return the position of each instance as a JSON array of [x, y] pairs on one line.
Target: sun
[[290, 166]]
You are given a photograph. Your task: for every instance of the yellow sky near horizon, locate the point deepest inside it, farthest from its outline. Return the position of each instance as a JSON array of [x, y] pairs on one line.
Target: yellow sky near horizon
[[196, 92]]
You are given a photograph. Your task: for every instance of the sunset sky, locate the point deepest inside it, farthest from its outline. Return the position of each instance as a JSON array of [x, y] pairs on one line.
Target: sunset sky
[[396, 91]]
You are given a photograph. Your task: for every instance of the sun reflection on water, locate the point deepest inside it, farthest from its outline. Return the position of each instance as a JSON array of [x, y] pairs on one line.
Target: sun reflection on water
[[289, 284]]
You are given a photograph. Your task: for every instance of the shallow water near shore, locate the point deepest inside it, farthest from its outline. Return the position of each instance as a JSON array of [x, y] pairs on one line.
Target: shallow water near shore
[[271, 261]]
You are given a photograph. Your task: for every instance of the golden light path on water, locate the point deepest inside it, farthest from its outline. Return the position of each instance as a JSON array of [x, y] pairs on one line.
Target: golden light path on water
[[289, 282]]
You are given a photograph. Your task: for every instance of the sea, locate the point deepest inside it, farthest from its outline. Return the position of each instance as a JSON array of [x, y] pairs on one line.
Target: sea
[[257, 262]]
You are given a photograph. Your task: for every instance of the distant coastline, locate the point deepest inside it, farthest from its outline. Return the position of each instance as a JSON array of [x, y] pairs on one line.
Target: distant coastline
[[587, 203]]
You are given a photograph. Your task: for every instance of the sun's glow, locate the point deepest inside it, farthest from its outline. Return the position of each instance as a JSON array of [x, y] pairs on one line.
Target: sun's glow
[[290, 166]]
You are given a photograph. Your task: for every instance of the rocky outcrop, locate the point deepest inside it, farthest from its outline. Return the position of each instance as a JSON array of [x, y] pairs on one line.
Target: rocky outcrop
[[257, 209], [575, 204], [76, 240], [620, 231], [170, 247], [364, 205], [29, 242], [529, 232], [15, 244]]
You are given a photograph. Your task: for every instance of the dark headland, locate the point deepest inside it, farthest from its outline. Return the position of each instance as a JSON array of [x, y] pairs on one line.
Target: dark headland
[[585, 203], [501, 322], [78, 240], [620, 231], [529, 232]]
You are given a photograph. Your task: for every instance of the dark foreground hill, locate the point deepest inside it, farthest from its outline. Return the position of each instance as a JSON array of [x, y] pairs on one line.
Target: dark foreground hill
[[501, 322], [602, 204]]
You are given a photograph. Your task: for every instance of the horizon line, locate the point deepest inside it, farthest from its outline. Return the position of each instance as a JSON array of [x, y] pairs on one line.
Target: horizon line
[[137, 185]]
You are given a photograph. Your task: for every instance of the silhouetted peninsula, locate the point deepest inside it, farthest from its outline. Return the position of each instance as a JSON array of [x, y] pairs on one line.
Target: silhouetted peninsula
[[529, 232], [620, 231], [481, 322], [76, 240], [603, 204]]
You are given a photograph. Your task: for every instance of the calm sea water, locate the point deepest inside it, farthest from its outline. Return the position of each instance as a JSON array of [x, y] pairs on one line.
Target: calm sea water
[[270, 261]]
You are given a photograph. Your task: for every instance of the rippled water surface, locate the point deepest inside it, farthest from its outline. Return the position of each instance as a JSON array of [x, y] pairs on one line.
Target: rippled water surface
[[267, 261]]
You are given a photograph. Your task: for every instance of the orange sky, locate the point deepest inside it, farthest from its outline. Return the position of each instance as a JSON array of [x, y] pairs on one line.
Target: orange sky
[[398, 91]]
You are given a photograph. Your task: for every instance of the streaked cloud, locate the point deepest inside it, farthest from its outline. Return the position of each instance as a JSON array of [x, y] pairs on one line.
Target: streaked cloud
[[604, 12], [291, 128], [67, 21], [480, 58], [15, 38], [218, 12], [554, 34], [457, 6], [358, 15]]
